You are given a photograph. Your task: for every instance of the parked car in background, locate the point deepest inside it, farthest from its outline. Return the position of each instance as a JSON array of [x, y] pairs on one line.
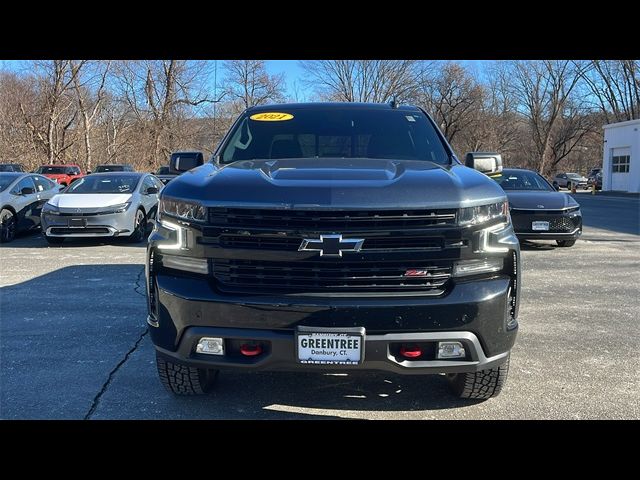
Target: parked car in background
[[594, 171], [115, 204], [538, 211], [597, 180], [595, 177], [63, 174], [11, 167], [115, 167], [566, 179], [165, 175], [21, 198]]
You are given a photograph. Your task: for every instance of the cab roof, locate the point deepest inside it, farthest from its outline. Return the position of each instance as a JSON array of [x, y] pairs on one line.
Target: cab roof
[[330, 106]]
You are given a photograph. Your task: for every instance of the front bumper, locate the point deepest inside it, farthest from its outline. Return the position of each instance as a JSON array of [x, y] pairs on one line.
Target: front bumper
[[378, 352], [563, 225], [474, 312], [88, 226]]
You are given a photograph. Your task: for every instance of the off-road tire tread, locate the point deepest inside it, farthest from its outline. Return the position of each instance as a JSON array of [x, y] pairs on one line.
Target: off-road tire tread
[[483, 384], [183, 380]]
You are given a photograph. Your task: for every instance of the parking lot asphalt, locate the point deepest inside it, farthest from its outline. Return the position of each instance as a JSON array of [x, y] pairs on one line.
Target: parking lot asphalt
[[73, 341]]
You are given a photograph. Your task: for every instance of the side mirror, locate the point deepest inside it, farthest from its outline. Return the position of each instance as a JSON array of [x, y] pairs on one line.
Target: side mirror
[[485, 162], [152, 190], [27, 191], [184, 161]]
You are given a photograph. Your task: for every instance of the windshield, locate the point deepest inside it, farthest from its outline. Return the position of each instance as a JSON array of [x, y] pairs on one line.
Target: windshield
[[573, 175], [5, 181], [7, 168], [336, 133], [52, 170], [105, 184], [522, 180], [109, 168]]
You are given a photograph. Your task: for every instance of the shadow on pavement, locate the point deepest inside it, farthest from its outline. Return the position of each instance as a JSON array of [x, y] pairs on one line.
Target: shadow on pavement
[[62, 333], [527, 245], [297, 395], [137, 393]]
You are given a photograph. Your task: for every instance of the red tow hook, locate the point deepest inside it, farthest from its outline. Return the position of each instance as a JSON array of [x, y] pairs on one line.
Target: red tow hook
[[410, 351], [250, 350]]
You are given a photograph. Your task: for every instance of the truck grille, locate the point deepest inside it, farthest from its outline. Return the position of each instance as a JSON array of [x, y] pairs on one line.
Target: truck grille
[[291, 243], [331, 220], [325, 276]]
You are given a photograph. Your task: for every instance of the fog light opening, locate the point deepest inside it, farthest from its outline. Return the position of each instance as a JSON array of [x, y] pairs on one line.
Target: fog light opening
[[450, 350], [210, 346], [411, 351], [250, 349]]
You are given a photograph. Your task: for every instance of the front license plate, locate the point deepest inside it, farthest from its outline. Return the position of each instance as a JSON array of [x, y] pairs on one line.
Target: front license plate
[[330, 347], [77, 222], [539, 225]]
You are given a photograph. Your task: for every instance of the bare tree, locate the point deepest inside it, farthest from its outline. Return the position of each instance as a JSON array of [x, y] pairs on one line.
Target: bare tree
[[158, 92], [248, 84], [362, 80], [16, 141], [452, 96], [87, 76], [543, 90], [495, 125], [51, 114], [615, 87]]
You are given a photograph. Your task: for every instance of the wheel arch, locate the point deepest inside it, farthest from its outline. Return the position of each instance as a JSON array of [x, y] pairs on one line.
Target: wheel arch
[[10, 208]]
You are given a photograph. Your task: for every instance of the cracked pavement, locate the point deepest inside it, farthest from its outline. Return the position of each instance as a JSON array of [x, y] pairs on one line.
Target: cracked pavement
[[74, 343]]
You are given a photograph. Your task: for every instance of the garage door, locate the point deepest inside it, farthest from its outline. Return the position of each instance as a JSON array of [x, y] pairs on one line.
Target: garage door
[[620, 162]]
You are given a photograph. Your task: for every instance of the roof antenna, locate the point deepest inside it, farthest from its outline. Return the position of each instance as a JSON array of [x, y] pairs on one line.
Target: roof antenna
[[394, 102]]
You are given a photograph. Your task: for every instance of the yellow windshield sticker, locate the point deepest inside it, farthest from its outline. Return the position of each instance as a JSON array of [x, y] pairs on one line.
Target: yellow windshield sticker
[[271, 117]]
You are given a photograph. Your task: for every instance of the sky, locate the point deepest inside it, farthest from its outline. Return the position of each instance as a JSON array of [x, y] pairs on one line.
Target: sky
[[294, 74]]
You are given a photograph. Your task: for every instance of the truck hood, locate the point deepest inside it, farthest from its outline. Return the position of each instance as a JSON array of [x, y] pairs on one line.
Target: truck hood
[[335, 183], [89, 200], [531, 200]]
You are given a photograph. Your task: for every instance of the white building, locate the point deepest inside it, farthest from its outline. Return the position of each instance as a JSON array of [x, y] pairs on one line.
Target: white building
[[621, 157]]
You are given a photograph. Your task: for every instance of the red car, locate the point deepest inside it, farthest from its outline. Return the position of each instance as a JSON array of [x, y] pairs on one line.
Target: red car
[[63, 174]]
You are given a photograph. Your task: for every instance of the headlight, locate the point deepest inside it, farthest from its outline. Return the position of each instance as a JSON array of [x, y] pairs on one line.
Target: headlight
[[183, 210], [116, 208], [483, 213], [50, 209]]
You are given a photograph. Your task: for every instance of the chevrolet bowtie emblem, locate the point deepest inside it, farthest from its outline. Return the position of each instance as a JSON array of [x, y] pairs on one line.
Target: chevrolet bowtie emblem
[[331, 245]]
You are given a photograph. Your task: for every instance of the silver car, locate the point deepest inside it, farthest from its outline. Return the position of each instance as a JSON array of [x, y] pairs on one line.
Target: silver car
[[116, 204], [21, 198]]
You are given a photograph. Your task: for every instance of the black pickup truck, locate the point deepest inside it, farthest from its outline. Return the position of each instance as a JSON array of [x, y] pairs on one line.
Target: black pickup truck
[[332, 236]]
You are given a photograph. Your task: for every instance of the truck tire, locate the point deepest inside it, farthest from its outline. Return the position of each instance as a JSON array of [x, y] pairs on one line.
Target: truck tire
[[479, 385], [183, 380], [566, 243]]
